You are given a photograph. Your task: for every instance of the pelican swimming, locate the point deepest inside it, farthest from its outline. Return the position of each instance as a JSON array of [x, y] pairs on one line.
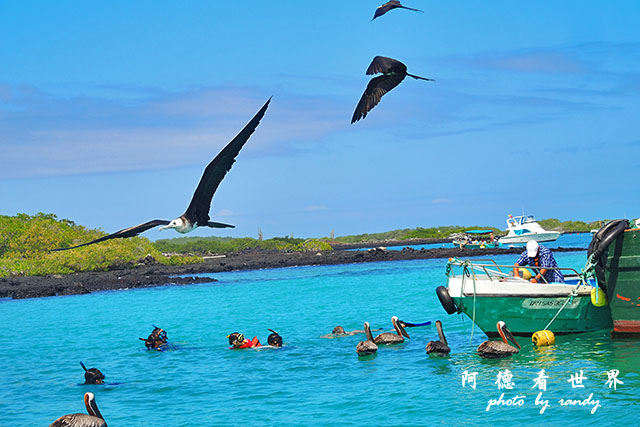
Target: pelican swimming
[[388, 338], [438, 348], [197, 214], [94, 419], [498, 349], [390, 5], [393, 72], [367, 347]]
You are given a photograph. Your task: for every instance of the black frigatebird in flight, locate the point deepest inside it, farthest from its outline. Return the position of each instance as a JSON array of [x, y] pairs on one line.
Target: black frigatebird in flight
[[393, 72], [197, 214], [393, 4]]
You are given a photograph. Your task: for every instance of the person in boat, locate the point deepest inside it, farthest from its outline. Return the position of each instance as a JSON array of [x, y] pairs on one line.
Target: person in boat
[[156, 340], [541, 259], [238, 341]]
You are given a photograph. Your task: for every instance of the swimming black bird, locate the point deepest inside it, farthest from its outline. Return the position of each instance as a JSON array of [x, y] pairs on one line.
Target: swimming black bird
[[393, 4], [393, 72], [197, 214], [438, 348], [93, 419]]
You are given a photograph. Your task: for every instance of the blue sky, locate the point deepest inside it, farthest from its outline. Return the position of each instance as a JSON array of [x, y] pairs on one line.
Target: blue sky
[[109, 112]]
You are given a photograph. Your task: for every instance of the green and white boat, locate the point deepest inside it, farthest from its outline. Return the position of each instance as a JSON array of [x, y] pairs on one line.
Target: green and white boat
[[487, 292], [614, 253]]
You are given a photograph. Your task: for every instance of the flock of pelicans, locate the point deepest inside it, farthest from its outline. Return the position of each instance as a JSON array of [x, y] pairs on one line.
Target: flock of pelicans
[[197, 215], [488, 349]]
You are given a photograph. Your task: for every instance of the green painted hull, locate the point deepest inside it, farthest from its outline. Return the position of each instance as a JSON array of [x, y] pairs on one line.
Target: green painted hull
[[525, 315], [622, 274]]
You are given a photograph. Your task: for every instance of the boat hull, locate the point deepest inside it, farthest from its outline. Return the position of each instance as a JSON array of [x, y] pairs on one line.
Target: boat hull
[[527, 307], [524, 238], [527, 314], [622, 273]]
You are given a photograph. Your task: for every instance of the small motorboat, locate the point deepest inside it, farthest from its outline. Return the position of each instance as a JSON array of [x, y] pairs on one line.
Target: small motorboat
[[521, 229]]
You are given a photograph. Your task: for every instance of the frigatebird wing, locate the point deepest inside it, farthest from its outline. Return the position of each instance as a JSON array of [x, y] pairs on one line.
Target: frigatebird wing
[[393, 4], [214, 173], [127, 232], [377, 87], [382, 64]]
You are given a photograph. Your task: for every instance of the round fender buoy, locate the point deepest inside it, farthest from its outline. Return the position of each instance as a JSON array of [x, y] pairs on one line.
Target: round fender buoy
[[524, 273], [446, 300], [599, 297], [543, 338]]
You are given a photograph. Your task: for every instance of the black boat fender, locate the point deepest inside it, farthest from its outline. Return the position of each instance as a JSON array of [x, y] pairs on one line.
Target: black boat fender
[[601, 241], [446, 300]]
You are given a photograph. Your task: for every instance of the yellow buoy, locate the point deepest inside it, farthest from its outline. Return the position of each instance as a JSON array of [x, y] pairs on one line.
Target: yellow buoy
[[524, 273], [599, 297], [543, 338]]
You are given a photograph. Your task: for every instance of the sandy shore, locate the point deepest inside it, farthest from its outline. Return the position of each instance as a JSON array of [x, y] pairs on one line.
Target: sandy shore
[[154, 274]]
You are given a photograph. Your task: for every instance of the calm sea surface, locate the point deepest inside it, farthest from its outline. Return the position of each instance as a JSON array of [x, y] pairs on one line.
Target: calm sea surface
[[312, 380]]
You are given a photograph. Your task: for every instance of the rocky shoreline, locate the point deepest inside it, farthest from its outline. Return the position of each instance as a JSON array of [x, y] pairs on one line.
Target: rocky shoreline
[[154, 274]]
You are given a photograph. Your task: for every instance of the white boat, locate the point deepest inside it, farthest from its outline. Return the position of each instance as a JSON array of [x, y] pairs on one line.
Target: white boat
[[523, 228]]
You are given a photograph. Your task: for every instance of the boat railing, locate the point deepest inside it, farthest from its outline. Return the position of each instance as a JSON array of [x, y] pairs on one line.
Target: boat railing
[[487, 265]]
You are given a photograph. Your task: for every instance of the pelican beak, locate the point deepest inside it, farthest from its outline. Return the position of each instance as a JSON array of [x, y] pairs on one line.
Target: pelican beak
[[510, 337], [402, 330]]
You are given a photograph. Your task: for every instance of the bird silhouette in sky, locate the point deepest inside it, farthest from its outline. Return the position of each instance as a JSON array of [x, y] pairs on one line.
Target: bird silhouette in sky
[[393, 72], [390, 5]]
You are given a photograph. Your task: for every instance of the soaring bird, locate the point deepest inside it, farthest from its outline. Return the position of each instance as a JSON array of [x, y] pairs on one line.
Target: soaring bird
[[438, 348], [197, 214], [393, 4], [388, 338], [367, 347], [499, 349], [94, 419], [393, 72]]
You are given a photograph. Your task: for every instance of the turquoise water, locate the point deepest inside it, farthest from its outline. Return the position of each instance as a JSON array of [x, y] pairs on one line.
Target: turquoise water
[[312, 380]]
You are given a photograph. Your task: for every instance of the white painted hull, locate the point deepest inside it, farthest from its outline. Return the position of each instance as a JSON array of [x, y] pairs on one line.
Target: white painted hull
[[549, 236]]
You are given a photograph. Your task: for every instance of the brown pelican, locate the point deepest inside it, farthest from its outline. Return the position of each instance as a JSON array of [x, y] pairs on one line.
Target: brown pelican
[[393, 4], [367, 347], [197, 214], [498, 349], [93, 375], [438, 348], [94, 419], [388, 338], [393, 72]]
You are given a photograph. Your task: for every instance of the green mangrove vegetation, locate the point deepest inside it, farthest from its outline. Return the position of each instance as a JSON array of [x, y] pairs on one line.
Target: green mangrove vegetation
[[26, 243]]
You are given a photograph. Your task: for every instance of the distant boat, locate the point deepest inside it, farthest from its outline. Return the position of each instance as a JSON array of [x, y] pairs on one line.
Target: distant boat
[[523, 228], [476, 239]]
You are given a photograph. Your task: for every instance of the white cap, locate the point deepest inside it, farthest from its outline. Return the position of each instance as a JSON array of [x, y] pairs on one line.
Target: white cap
[[532, 248]]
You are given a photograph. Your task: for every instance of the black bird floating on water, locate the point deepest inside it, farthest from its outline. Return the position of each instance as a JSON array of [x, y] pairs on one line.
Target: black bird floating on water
[[390, 5], [393, 72], [197, 214]]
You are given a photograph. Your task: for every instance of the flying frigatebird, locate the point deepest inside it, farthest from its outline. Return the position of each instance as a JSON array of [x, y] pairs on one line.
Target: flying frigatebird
[[393, 4], [197, 214], [393, 72]]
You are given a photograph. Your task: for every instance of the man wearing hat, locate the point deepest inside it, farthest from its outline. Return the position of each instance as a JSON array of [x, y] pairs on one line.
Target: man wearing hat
[[541, 259]]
